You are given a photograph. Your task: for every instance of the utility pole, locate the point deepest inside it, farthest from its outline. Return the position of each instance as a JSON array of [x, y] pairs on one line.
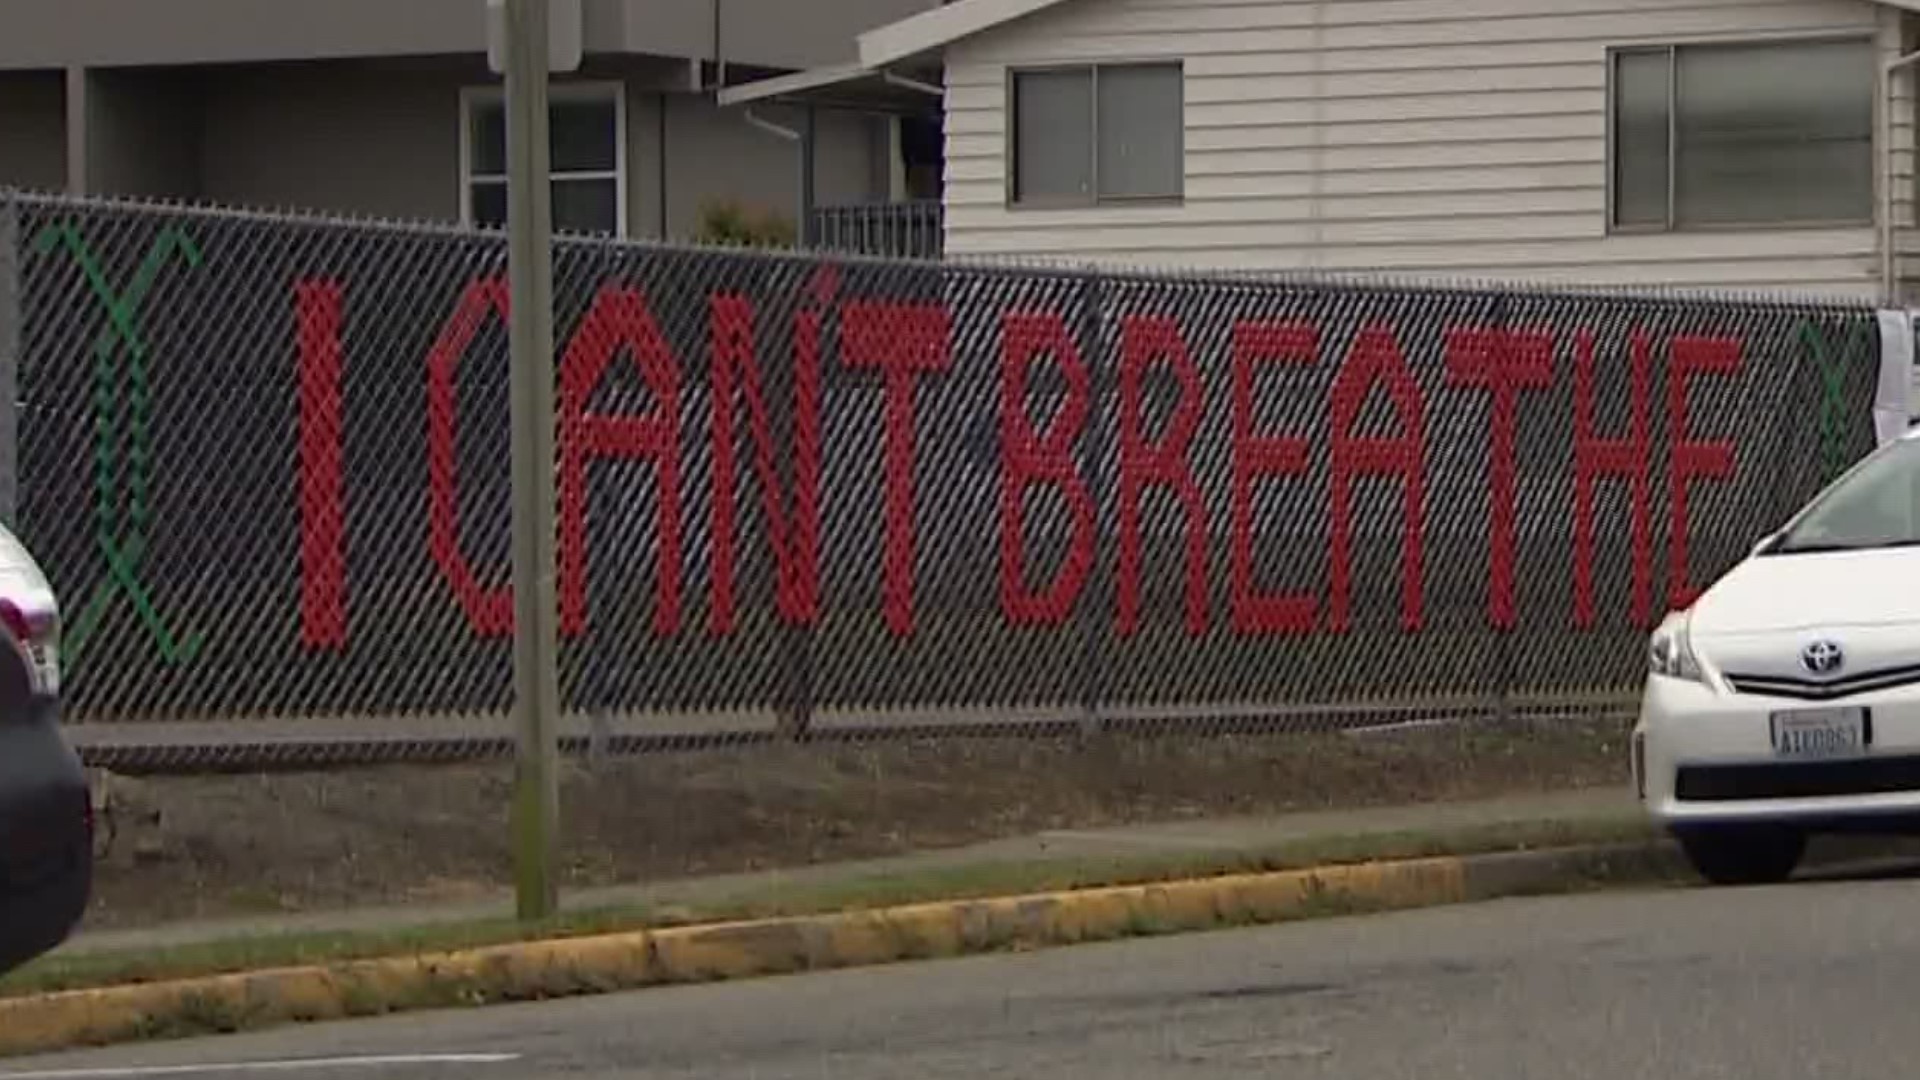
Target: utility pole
[[536, 679]]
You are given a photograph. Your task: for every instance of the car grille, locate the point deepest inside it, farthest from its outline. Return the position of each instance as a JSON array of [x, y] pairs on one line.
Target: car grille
[[1826, 690], [1797, 780]]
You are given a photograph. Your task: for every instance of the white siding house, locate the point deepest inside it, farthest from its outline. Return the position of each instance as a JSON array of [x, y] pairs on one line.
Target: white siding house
[[1728, 143]]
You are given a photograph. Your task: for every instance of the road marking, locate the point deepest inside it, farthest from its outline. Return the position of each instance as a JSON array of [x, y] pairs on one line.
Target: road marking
[[291, 1065]]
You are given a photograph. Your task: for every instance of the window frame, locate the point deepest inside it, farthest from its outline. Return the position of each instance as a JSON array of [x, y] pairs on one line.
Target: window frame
[[595, 91], [1672, 47], [1093, 199]]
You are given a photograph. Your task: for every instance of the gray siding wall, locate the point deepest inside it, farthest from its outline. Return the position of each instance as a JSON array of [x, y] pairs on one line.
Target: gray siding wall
[[716, 153], [111, 33], [107, 33], [143, 131], [382, 138], [33, 126], [335, 137]]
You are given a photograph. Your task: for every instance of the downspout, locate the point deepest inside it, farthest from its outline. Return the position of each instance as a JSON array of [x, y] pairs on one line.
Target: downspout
[[770, 127], [1889, 265]]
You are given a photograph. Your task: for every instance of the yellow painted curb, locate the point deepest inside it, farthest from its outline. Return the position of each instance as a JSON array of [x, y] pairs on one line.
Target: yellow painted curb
[[570, 966]]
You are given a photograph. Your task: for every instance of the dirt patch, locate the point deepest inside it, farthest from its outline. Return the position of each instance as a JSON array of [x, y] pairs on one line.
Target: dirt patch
[[228, 845]]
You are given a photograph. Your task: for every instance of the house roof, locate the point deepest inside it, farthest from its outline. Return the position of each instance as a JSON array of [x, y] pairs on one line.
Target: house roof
[[958, 19], [908, 43], [948, 23], [918, 39]]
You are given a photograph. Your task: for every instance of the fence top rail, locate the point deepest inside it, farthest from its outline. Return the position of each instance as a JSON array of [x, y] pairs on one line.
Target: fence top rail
[[977, 266]]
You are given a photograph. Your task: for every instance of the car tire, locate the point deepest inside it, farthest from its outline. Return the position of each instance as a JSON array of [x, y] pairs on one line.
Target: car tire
[[1743, 855]]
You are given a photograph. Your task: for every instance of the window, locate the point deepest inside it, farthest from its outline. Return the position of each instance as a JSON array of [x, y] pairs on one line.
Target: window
[[1875, 504], [586, 141], [1096, 134], [1746, 134]]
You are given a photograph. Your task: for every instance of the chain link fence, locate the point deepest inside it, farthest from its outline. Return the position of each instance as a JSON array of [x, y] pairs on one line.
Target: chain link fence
[[264, 460], [859, 558]]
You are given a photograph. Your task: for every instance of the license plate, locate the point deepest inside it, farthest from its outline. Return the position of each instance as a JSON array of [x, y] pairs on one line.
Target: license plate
[[1820, 733]]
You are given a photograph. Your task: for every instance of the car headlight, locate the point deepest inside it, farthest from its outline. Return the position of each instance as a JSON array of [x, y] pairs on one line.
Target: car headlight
[[1670, 651]]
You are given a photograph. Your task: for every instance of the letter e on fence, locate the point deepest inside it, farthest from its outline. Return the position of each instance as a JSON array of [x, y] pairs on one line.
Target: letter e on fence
[[1255, 457]]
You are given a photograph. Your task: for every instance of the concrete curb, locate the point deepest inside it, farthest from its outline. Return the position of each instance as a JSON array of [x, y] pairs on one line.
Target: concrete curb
[[585, 965]]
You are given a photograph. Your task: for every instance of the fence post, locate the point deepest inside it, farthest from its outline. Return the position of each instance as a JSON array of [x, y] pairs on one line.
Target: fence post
[[1096, 604], [11, 335]]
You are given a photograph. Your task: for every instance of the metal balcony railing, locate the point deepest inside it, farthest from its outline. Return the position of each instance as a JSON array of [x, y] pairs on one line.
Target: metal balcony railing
[[904, 229]]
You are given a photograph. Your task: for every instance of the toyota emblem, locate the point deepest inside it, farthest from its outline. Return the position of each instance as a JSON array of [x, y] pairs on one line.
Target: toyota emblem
[[1822, 657]]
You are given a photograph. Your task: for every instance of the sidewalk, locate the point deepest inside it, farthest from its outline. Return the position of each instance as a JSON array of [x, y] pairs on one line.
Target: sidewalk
[[1199, 838]]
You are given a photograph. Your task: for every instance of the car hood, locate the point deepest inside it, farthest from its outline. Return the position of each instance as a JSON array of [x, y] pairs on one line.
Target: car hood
[[1825, 590]]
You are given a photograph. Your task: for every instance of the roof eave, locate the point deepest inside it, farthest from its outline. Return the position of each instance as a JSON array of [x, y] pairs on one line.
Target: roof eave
[[786, 86], [930, 31], [841, 86]]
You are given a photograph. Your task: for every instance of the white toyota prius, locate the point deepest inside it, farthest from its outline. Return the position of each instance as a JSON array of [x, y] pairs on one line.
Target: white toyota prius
[[1786, 700]]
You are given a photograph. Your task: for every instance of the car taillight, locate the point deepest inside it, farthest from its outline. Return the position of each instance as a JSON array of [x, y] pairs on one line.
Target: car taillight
[[26, 624], [35, 633]]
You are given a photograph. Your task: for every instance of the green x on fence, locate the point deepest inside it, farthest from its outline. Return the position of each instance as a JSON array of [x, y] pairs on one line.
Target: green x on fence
[[1835, 411], [122, 513]]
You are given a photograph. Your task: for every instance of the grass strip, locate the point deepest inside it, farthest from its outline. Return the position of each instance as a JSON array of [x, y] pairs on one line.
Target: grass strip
[[75, 971]]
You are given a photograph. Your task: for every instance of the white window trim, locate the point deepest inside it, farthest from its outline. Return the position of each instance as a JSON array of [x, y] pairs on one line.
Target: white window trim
[[1673, 227], [1094, 200], [600, 91]]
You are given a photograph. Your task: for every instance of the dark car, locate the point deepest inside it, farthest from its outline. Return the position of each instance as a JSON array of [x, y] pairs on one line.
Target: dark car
[[46, 810]]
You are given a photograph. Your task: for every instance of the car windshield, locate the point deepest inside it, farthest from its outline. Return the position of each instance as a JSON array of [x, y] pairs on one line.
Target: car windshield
[[1876, 505]]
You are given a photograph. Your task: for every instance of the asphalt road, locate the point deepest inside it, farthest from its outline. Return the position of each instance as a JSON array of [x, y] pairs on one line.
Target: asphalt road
[[1801, 981]]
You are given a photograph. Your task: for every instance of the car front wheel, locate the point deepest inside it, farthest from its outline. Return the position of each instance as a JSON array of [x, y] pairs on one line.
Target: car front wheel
[[1743, 855]]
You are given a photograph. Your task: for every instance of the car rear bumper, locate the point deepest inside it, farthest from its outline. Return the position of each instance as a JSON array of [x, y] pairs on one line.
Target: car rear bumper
[[38, 913], [46, 829], [1702, 757]]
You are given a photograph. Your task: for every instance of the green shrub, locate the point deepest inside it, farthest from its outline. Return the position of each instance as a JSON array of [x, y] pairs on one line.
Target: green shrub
[[728, 222]]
